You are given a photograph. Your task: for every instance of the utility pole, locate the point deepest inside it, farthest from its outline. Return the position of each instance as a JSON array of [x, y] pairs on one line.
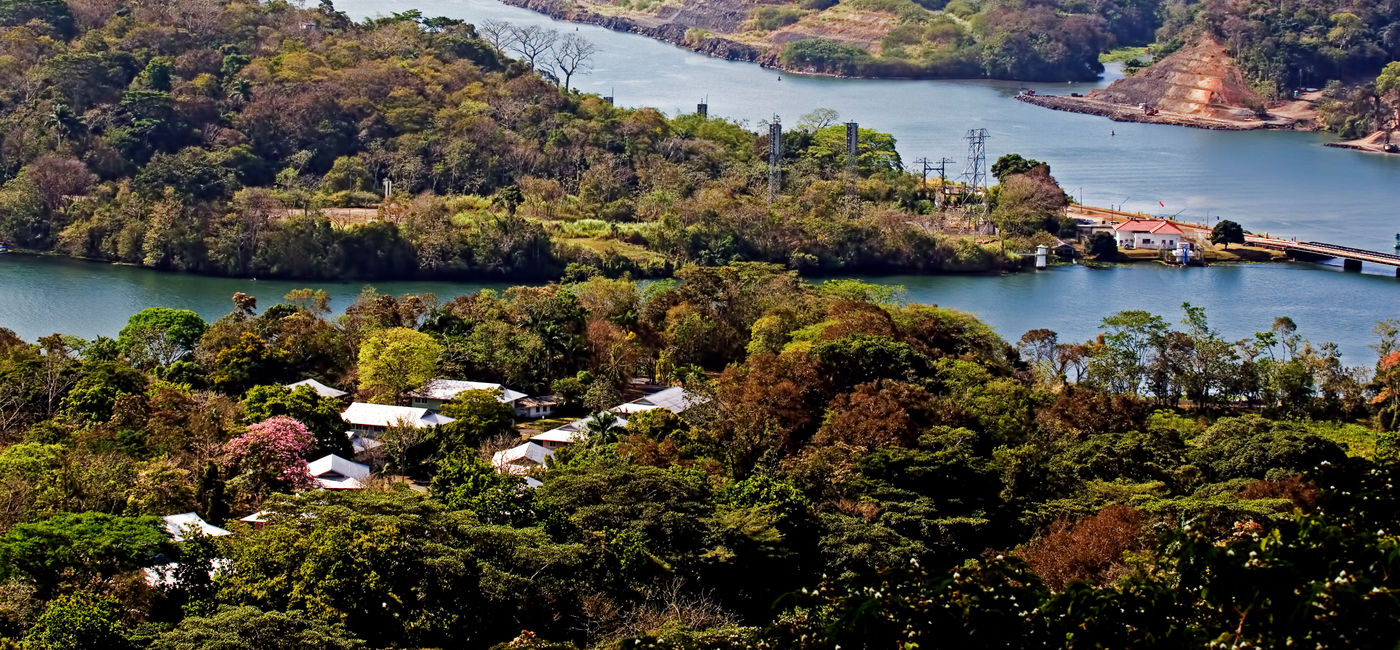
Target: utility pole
[[852, 156], [923, 175], [942, 168], [775, 158]]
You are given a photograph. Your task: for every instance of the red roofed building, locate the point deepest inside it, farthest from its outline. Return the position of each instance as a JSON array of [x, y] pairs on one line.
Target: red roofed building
[[1155, 234]]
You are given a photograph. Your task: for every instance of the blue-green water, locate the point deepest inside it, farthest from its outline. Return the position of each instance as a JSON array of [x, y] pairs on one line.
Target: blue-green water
[[41, 295]]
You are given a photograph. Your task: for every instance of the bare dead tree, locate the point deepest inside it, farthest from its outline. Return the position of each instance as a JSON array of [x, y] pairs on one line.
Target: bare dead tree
[[499, 33], [574, 55], [533, 42]]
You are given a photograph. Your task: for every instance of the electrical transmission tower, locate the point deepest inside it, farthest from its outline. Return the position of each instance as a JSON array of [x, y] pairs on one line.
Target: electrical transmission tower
[[977, 163], [775, 157]]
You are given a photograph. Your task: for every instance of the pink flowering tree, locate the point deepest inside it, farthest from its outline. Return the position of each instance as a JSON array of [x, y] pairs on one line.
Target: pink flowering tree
[[268, 457]]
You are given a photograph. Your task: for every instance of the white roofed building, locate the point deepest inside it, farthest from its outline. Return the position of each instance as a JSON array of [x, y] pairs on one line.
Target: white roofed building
[[674, 399], [536, 407], [520, 459], [179, 526], [370, 419], [569, 433], [335, 473], [440, 391], [320, 388]]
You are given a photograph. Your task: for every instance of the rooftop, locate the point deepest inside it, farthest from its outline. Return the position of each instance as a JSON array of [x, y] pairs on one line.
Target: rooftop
[[336, 473], [543, 400], [320, 388], [386, 415], [1157, 226], [674, 399], [509, 460], [179, 525], [446, 389], [572, 431]]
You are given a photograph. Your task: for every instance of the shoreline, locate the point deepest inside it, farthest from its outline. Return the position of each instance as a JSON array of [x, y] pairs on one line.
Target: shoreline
[[1369, 144], [1121, 113]]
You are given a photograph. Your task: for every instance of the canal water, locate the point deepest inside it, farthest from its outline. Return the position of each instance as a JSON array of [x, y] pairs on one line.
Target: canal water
[[43, 295], [1283, 183]]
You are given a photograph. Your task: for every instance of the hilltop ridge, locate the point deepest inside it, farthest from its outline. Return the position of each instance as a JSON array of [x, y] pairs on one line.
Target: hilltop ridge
[[1200, 80]]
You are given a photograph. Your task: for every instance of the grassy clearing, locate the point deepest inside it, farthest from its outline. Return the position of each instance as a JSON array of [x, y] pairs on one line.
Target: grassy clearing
[[606, 247], [1358, 440], [1126, 54]]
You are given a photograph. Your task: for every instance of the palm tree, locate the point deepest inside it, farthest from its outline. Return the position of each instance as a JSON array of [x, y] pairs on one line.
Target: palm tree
[[601, 429], [63, 121]]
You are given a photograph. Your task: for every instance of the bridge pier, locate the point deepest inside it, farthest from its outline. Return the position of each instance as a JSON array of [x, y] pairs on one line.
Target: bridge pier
[[1351, 265]]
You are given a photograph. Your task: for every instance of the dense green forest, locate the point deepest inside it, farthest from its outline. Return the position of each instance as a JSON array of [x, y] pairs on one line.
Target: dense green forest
[[1042, 41], [865, 473], [229, 137]]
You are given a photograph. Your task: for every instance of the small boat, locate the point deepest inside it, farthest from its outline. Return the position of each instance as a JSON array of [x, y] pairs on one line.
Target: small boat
[[5, 248]]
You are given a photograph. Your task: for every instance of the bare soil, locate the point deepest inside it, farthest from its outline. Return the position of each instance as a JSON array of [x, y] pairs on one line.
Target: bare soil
[[1374, 143], [1198, 86]]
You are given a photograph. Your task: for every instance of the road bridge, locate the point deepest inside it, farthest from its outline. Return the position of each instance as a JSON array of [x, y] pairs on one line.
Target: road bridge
[[1351, 257]]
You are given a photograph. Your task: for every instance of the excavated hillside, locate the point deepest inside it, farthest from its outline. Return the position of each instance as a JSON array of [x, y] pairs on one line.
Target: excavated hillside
[[1200, 80], [1198, 86]]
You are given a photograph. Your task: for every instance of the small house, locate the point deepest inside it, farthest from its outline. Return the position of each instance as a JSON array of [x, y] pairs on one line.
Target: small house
[[1152, 234], [335, 473], [1085, 229], [370, 420], [536, 407], [440, 391]]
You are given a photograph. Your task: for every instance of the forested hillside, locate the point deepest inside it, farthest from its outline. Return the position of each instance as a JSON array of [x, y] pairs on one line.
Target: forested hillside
[[238, 138], [860, 472]]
